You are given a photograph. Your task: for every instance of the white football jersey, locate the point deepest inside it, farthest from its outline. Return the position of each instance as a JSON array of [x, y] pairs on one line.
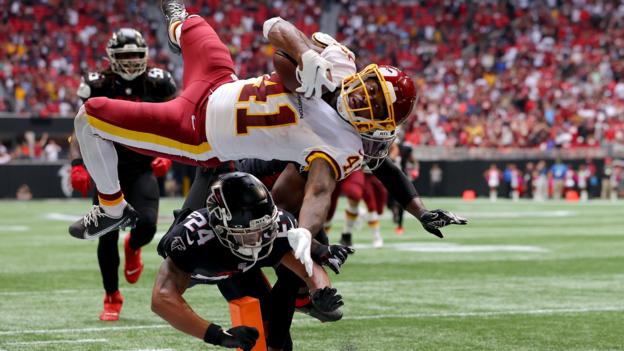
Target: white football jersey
[[258, 118]]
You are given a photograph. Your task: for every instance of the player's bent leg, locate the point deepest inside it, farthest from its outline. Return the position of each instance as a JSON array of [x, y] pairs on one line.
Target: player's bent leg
[[143, 194], [205, 56], [108, 260]]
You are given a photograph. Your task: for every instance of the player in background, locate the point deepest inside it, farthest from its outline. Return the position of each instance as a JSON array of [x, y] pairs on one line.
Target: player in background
[[324, 120], [493, 177], [130, 78], [226, 242]]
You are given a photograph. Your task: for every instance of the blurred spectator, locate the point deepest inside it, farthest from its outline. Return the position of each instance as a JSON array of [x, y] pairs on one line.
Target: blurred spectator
[[540, 176], [435, 180], [570, 178], [527, 180], [558, 173], [5, 157], [493, 177], [583, 176], [23, 193], [607, 179], [52, 150]]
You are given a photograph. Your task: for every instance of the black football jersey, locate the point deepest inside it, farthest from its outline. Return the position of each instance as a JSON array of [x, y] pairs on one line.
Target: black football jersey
[[154, 85], [193, 247]]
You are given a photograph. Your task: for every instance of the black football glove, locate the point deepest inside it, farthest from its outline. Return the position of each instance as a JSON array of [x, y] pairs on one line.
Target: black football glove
[[242, 336], [432, 221], [332, 256], [327, 300]]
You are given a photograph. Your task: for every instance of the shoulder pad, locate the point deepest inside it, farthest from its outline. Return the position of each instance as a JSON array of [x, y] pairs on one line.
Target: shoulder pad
[[91, 84], [286, 221], [84, 90], [162, 81], [323, 39]]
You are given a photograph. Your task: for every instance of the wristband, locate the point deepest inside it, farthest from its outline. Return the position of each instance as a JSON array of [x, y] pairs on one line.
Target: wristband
[[213, 334], [77, 162]]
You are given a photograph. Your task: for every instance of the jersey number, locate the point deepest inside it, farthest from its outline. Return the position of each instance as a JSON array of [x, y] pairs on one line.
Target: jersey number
[[280, 115]]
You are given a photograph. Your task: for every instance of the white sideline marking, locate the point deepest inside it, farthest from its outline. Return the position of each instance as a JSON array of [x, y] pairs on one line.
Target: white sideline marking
[[62, 291], [78, 341], [61, 217], [456, 248], [84, 330], [311, 320], [13, 228], [491, 313]]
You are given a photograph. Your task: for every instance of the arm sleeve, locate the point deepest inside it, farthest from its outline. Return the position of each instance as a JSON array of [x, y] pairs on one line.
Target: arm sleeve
[[396, 182]]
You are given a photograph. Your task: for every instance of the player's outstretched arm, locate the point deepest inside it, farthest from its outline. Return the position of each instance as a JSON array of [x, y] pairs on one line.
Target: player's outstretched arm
[[323, 296], [404, 191], [168, 303]]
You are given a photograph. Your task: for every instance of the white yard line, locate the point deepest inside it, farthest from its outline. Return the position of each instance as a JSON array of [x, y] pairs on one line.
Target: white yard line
[[489, 313], [13, 228], [83, 330], [47, 342]]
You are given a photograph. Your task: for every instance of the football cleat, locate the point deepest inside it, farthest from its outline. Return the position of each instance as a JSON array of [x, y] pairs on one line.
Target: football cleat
[[174, 11], [399, 230], [133, 265], [97, 223], [377, 242], [345, 240], [112, 306]]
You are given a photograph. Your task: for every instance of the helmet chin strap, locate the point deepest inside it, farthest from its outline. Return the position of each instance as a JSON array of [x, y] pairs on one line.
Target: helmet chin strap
[[342, 109], [245, 251]]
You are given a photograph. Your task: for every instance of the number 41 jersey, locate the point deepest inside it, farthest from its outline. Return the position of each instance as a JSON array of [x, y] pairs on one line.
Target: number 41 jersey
[[259, 118]]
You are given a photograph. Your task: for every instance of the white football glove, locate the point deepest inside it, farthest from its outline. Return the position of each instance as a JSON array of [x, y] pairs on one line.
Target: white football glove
[[314, 75], [300, 240]]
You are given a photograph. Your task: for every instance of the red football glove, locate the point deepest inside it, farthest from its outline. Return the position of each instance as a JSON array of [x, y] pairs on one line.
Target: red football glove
[[160, 166], [80, 179]]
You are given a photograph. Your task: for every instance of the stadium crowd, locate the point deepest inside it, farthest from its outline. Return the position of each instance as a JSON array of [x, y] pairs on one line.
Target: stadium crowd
[[493, 74]]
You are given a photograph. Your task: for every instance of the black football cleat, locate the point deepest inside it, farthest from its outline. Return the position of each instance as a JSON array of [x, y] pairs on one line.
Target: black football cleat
[[174, 11], [97, 223], [345, 240], [312, 311]]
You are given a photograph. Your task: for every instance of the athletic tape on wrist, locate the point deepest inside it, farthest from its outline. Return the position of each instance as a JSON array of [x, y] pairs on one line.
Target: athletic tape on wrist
[[213, 334]]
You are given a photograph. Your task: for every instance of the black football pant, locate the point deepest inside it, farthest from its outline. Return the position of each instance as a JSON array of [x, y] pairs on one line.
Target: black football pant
[[142, 193]]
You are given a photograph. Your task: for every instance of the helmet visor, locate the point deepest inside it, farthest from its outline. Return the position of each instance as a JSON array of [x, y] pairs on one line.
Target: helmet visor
[[260, 234], [367, 101], [128, 62]]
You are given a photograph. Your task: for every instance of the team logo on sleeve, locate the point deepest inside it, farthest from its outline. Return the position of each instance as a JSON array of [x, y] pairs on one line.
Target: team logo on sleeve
[[178, 244]]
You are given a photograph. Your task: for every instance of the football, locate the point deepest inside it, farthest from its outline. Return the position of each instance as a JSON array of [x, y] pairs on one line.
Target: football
[[285, 67]]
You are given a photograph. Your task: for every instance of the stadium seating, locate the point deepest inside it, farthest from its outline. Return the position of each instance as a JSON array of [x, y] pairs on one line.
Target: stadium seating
[[529, 75]]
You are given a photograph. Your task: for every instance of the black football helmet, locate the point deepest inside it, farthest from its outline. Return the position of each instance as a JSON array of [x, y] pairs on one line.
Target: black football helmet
[[127, 52], [243, 215]]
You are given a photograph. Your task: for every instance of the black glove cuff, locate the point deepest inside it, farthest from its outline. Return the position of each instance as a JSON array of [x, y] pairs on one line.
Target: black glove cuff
[[213, 334], [77, 162]]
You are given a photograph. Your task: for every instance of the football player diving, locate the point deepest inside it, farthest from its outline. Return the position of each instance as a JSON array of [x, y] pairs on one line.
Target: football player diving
[[326, 120], [130, 78], [226, 243]]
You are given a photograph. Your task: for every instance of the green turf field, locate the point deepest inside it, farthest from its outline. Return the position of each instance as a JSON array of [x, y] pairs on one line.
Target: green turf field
[[520, 276]]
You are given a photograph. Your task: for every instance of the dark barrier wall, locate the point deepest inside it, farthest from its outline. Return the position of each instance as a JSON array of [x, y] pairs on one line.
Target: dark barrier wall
[[44, 181], [462, 175], [52, 180], [55, 127]]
